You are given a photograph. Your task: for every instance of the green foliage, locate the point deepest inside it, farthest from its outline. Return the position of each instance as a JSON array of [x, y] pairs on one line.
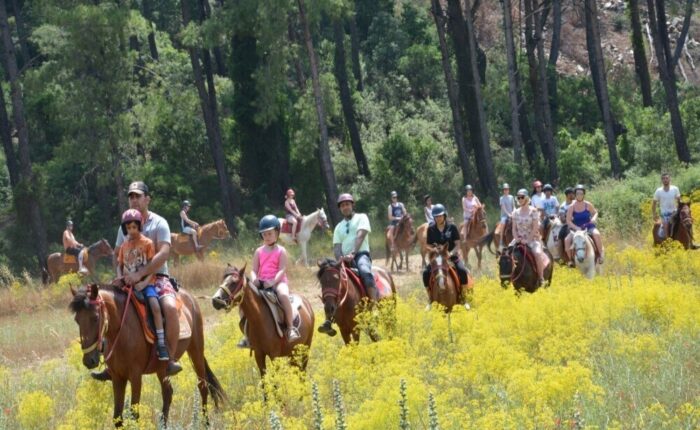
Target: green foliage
[[579, 160]]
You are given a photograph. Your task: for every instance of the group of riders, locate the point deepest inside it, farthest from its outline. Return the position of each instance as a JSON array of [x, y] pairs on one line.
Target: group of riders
[[143, 244]]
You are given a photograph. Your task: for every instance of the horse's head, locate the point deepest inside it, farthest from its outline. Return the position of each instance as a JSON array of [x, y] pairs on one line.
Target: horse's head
[[221, 230], [579, 244], [685, 218], [102, 248], [322, 219], [506, 264], [230, 292], [438, 257], [329, 276], [90, 315]]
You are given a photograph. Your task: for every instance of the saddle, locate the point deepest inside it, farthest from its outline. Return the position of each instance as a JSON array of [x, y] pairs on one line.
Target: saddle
[[383, 288], [526, 253], [72, 259], [287, 227], [143, 311], [269, 296], [183, 238]]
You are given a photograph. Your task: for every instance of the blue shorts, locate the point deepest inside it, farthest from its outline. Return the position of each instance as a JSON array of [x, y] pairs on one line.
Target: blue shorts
[[149, 291], [504, 218], [666, 216]]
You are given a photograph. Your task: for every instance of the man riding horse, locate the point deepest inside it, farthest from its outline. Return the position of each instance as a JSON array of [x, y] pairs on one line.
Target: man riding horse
[[443, 232], [667, 198], [351, 245], [73, 247], [189, 226], [395, 212], [507, 204], [157, 229]]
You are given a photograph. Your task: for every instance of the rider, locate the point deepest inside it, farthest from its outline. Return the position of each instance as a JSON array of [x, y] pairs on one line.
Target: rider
[[507, 203], [351, 244], [569, 193], [188, 225], [537, 195], [470, 204], [582, 215], [443, 232], [136, 252], [292, 214], [270, 269], [73, 247], [157, 229], [667, 197], [395, 211], [526, 230], [550, 207], [428, 208]]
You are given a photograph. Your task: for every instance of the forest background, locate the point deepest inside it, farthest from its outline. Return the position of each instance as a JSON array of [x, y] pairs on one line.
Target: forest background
[[228, 103]]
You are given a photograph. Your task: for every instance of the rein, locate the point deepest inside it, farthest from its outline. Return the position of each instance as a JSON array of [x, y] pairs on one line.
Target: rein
[[333, 293], [525, 250], [104, 324], [233, 295]]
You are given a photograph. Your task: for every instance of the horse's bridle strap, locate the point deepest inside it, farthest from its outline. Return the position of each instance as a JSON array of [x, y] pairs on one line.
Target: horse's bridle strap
[[103, 323]]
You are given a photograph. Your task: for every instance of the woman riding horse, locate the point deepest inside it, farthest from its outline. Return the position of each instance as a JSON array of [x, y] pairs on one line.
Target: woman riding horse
[[526, 230], [582, 215]]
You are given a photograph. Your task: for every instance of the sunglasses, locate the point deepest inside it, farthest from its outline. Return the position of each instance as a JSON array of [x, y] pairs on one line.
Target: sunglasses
[[521, 197], [347, 227]]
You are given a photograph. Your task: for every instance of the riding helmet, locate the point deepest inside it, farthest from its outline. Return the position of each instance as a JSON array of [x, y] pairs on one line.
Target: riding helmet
[[522, 192], [345, 197], [131, 215], [438, 209], [69, 222], [580, 187], [548, 187], [568, 191], [468, 187], [394, 194], [186, 203], [268, 222], [505, 186]]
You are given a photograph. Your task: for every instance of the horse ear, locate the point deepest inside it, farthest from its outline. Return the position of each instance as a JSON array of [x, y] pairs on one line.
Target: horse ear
[[242, 271], [72, 290], [228, 264], [94, 291], [319, 262]]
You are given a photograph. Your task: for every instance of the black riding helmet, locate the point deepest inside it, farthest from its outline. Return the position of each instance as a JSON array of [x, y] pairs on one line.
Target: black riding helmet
[[438, 209]]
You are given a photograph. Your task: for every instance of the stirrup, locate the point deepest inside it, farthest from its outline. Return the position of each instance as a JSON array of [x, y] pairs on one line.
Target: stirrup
[[101, 376]]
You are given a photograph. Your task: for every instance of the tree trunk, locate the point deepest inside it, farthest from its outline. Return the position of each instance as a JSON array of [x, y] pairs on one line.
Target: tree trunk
[[341, 76], [596, 62], [463, 37], [355, 53], [6, 137], [298, 68], [640, 56], [29, 193], [205, 13], [452, 95], [657, 21], [324, 152], [683, 34], [207, 97], [552, 61], [513, 77], [147, 8], [21, 33]]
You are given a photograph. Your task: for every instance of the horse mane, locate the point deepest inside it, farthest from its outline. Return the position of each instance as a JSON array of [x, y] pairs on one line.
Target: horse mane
[[80, 300], [95, 245], [324, 265]]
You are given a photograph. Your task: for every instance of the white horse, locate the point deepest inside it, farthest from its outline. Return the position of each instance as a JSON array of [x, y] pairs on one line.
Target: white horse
[[308, 224], [584, 253], [552, 239]]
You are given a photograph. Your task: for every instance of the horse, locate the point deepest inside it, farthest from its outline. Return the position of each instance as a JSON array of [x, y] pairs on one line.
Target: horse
[[551, 239], [477, 231], [422, 239], [341, 297], [182, 244], [681, 228], [405, 240], [308, 224], [517, 265], [55, 266], [444, 286], [103, 313], [236, 290], [584, 253]]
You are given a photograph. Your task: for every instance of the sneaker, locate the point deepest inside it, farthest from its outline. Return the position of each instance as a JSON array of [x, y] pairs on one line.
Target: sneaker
[[243, 343], [199, 248], [173, 369], [467, 307], [83, 271], [293, 335], [101, 376], [162, 353], [327, 328]]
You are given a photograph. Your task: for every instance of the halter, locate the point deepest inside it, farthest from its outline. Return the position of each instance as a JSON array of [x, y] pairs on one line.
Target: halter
[[513, 276], [102, 321], [334, 293], [233, 295]]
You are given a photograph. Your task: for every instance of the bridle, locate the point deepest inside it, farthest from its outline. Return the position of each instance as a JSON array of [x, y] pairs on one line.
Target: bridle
[[513, 277], [233, 295], [437, 271], [343, 289], [102, 322]]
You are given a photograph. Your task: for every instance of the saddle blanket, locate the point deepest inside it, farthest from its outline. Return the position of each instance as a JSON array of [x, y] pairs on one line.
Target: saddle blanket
[[287, 227], [72, 259], [146, 319], [270, 298]]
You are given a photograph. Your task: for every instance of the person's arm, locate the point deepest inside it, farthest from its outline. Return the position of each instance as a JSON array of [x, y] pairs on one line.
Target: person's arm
[[389, 215], [283, 267], [594, 213], [570, 218], [187, 219], [678, 198], [338, 250], [654, 215], [297, 212], [361, 234], [477, 202]]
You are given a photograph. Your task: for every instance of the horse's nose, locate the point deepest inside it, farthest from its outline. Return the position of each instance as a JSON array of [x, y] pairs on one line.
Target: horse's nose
[[329, 309], [91, 361], [217, 304]]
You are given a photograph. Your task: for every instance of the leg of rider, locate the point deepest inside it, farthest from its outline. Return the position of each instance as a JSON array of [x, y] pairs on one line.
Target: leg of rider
[[81, 267], [598, 242], [390, 233], [567, 247], [194, 238], [172, 327], [364, 266], [158, 322], [426, 276], [283, 295], [540, 259], [293, 221]]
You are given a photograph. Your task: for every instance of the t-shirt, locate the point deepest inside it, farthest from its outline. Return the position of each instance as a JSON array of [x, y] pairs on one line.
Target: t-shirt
[[428, 212], [667, 199], [524, 224], [507, 205], [549, 205], [346, 232], [536, 200], [135, 254], [155, 228], [562, 211], [449, 235]]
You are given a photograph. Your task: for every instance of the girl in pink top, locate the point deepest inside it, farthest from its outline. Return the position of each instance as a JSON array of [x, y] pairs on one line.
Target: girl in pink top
[[470, 203], [270, 269]]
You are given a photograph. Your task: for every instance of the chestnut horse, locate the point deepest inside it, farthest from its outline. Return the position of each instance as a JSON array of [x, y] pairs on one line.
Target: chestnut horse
[[516, 265], [236, 290], [56, 267], [405, 240], [422, 239], [216, 230], [681, 228], [478, 229], [341, 297], [102, 315], [443, 286]]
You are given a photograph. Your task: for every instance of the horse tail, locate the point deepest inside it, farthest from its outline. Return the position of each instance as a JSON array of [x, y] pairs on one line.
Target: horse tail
[[487, 240], [45, 273], [215, 388]]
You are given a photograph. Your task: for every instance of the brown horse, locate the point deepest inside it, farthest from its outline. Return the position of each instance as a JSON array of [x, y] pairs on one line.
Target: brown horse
[[181, 244], [236, 290], [516, 265], [404, 241], [56, 266], [341, 296], [443, 286], [505, 233], [102, 315], [681, 228], [422, 239], [478, 229]]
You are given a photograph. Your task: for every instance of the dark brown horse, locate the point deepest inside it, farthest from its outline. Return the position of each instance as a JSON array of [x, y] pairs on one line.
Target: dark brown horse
[[182, 244], [343, 298], [681, 228], [478, 229], [99, 312], [516, 265], [56, 266], [262, 334], [443, 286], [404, 241]]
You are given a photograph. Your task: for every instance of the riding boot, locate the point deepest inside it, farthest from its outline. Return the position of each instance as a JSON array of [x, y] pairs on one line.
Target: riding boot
[[81, 268], [327, 328], [101, 376], [173, 368]]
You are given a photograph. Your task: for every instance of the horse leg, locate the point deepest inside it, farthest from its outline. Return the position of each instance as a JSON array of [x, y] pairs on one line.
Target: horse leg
[[478, 251], [118, 390], [302, 244], [135, 382], [166, 390], [197, 360]]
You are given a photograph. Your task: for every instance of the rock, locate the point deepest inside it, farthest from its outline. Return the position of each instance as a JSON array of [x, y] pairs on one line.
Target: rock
[[677, 22]]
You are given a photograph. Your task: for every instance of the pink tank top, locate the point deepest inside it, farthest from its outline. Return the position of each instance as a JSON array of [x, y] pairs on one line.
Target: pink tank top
[[269, 263]]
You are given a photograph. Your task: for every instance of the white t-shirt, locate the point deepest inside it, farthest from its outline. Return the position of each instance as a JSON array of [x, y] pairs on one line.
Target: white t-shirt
[[549, 205], [536, 200], [346, 232], [667, 200], [155, 228]]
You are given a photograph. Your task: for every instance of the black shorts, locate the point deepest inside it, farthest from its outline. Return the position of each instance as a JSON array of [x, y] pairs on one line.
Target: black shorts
[[74, 251]]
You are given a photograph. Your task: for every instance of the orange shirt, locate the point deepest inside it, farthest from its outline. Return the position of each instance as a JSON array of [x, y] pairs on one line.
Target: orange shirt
[[135, 254]]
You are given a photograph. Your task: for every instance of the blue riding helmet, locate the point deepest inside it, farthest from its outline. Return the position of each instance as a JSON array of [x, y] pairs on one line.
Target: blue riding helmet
[[438, 209], [548, 187], [268, 222]]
